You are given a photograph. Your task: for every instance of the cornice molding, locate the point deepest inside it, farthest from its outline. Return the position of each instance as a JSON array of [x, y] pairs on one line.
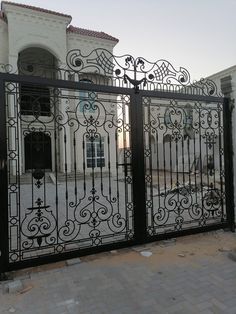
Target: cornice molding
[[30, 15]]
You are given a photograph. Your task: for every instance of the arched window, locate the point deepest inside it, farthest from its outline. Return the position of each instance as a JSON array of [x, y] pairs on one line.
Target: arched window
[[35, 98]]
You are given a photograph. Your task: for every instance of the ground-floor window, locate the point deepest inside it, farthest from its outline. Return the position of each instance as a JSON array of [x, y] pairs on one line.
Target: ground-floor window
[[95, 153]]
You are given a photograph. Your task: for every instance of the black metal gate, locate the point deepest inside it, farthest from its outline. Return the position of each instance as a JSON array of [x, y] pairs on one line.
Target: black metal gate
[[96, 160]]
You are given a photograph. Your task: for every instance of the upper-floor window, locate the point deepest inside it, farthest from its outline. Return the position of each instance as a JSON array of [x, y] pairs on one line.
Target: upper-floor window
[[167, 117], [34, 100], [188, 122], [188, 115]]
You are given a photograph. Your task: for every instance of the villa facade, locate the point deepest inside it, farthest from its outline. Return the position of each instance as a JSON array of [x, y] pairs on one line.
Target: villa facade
[[36, 41]]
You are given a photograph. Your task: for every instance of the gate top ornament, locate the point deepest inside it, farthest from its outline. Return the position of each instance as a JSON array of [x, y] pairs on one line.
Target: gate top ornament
[[104, 63], [102, 67], [140, 73]]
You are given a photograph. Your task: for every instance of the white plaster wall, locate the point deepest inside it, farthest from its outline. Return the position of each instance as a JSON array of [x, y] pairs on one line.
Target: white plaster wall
[[4, 42], [87, 44], [27, 28]]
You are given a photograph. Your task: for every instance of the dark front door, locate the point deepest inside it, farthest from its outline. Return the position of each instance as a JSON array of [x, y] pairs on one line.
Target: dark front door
[[38, 151]]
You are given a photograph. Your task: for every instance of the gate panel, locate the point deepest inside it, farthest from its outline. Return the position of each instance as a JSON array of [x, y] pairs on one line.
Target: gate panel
[[184, 164], [113, 151], [85, 200]]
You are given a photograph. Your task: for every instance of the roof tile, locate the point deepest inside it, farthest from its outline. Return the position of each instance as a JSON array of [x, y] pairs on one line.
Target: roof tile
[[87, 32]]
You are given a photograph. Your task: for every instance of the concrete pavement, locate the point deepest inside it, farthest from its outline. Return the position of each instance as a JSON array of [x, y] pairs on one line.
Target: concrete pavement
[[193, 274]]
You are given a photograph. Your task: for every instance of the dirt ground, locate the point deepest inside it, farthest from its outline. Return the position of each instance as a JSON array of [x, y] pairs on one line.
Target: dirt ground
[[213, 243]]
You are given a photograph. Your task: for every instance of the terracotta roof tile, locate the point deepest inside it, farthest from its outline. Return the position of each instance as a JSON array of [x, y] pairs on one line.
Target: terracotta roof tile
[[87, 32], [36, 9]]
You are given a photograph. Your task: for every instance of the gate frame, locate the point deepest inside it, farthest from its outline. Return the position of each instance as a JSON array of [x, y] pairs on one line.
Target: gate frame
[[136, 121], [228, 162]]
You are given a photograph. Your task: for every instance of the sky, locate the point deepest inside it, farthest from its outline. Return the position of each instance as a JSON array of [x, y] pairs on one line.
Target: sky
[[199, 35]]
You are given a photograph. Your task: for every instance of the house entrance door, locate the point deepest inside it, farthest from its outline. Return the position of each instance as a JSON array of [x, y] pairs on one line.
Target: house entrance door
[[38, 151]]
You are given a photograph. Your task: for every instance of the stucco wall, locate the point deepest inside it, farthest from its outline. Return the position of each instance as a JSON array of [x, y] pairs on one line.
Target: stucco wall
[[35, 29], [4, 42], [86, 45]]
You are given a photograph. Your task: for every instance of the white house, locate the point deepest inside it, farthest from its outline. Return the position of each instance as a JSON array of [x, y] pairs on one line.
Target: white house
[[35, 40]]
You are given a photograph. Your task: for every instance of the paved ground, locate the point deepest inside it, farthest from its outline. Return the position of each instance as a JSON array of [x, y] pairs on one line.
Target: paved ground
[[192, 275]]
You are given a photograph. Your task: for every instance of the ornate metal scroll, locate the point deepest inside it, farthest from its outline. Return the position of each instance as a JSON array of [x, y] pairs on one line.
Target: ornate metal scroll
[[137, 72], [104, 68], [72, 183], [103, 62], [184, 164], [89, 202]]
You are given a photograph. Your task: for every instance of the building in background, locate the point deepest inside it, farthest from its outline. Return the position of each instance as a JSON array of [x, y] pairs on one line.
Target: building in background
[[226, 83], [36, 41]]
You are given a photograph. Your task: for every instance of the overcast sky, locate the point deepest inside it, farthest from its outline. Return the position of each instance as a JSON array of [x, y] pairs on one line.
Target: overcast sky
[[199, 35]]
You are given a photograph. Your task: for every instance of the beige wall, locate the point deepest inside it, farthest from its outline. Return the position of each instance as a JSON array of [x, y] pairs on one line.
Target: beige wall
[[4, 42]]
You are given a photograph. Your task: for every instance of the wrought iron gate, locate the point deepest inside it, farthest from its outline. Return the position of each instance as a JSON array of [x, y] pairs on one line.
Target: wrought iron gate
[[96, 160]]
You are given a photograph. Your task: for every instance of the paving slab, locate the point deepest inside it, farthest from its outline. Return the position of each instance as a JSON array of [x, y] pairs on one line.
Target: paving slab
[[202, 280]]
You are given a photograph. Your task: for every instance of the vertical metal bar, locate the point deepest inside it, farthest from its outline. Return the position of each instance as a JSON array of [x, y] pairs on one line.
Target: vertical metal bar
[[221, 157], [117, 169], [228, 163], [3, 183], [150, 213], [137, 142], [200, 161]]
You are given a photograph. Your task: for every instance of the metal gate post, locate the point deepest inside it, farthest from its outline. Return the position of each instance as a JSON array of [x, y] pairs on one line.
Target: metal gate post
[[3, 183], [138, 167], [228, 161]]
